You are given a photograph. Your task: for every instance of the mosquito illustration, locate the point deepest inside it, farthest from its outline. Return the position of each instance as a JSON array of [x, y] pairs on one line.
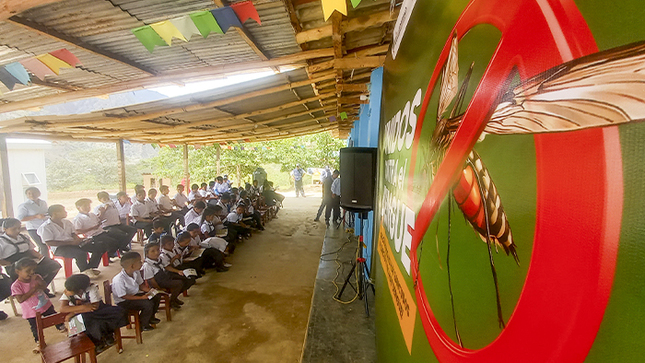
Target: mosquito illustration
[[602, 89]]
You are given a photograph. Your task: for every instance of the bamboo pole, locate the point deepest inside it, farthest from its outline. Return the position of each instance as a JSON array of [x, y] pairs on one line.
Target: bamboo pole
[[120, 156], [7, 200]]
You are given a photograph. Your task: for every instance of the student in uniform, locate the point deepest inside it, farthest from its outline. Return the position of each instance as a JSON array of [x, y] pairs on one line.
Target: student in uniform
[[58, 233], [124, 206], [194, 196], [220, 186], [131, 293], [164, 203], [250, 213], [180, 200], [174, 254], [195, 214], [137, 188], [14, 246], [141, 213], [110, 218], [87, 223], [83, 297], [235, 220], [34, 213], [162, 279], [154, 210], [158, 230]]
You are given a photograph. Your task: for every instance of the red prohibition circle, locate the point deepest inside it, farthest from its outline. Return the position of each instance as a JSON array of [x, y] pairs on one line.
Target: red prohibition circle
[[579, 194]]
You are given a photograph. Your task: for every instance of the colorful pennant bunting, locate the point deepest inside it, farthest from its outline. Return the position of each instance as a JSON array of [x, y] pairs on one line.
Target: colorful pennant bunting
[[37, 68], [7, 79], [53, 63], [167, 31], [245, 10], [197, 146], [355, 3], [205, 23], [18, 72], [226, 18], [332, 118], [148, 37], [186, 26], [343, 115], [329, 6], [66, 56]]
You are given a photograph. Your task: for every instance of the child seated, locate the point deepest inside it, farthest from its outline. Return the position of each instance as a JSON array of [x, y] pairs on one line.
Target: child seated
[[164, 203], [250, 213], [180, 200], [87, 223], [110, 216], [165, 279], [83, 297], [212, 226], [195, 215], [194, 196], [131, 293], [235, 221], [141, 213], [216, 248], [174, 253], [28, 290], [158, 230]]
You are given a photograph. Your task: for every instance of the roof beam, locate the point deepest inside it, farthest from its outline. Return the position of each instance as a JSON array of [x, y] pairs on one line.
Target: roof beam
[[60, 37], [9, 8], [349, 63], [201, 73], [354, 24]]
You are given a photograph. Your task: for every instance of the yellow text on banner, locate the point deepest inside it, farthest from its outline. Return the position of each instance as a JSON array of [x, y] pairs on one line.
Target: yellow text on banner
[[406, 308]]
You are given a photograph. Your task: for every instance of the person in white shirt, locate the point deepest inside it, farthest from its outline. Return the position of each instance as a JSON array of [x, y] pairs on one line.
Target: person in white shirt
[[87, 223], [136, 190], [124, 206], [220, 186], [297, 175], [164, 203], [33, 213], [195, 214], [180, 199], [59, 235], [110, 217], [162, 279], [15, 246], [335, 199], [131, 293], [174, 252], [194, 195], [141, 213], [234, 221]]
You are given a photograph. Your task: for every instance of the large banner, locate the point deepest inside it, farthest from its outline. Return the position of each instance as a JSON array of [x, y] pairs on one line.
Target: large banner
[[511, 200]]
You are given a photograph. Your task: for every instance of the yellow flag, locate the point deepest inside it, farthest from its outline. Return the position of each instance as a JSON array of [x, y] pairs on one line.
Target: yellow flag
[[53, 63], [167, 31], [330, 5]]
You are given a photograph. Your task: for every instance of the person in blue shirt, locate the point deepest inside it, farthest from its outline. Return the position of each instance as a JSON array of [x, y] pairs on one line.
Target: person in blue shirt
[[33, 213], [297, 175]]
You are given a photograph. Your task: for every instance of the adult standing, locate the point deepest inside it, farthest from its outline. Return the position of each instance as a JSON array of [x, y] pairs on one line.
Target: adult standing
[[33, 213], [327, 180], [297, 175], [334, 202]]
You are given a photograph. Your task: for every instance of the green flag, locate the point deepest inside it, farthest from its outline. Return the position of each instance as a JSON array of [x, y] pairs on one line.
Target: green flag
[[343, 115], [148, 37], [206, 23], [355, 3]]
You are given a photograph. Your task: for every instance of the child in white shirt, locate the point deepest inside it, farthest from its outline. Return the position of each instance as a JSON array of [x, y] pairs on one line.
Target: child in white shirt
[[110, 216], [160, 278], [195, 215]]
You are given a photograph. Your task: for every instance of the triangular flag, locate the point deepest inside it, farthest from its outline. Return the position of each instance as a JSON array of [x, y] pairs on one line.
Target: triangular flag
[[167, 31], [332, 118], [197, 146], [66, 56], [247, 140], [37, 68], [226, 18], [53, 63], [355, 3], [186, 26], [154, 146], [329, 6], [245, 10], [148, 37], [205, 23], [172, 146], [161, 145], [343, 115], [18, 72], [7, 79]]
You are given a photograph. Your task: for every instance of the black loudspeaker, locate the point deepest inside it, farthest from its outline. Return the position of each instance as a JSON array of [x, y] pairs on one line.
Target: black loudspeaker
[[357, 178]]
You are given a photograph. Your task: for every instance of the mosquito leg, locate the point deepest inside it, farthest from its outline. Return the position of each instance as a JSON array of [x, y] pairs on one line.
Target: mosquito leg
[[452, 300]]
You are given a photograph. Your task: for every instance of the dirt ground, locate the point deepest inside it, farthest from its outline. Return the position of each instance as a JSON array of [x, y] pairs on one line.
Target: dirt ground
[[256, 312]]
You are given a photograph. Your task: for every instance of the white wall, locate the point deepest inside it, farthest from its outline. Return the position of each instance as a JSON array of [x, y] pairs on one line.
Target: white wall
[[26, 156]]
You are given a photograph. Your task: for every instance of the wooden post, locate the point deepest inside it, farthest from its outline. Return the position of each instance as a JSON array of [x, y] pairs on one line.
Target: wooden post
[[120, 156], [239, 176], [186, 170], [217, 151], [7, 202]]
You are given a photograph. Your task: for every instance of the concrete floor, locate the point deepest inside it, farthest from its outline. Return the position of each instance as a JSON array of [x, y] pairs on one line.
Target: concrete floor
[[256, 312]]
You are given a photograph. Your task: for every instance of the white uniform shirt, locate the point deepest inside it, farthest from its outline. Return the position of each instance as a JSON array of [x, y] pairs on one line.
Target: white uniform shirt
[[108, 214], [234, 217], [123, 284], [335, 186], [181, 199], [151, 268], [193, 195], [124, 209], [207, 227], [85, 221], [31, 208], [166, 255], [9, 246], [164, 202], [140, 209], [221, 188], [91, 295], [51, 231], [193, 217], [152, 205]]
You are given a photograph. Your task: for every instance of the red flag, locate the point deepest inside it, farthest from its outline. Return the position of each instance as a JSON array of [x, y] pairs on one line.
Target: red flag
[[172, 145], [197, 146], [246, 10], [66, 56]]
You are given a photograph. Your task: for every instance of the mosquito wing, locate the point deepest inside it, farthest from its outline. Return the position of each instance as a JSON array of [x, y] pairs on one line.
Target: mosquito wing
[[602, 89], [449, 79]]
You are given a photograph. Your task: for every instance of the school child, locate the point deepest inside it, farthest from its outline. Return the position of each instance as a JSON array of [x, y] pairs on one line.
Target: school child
[[194, 195], [195, 215], [235, 221], [83, 297], [124, 206], [180, 200], [158, 230], [28, 290], [173, 253], [160, 278], [219, 245], [87, 223], [250, 213], [137, 188], [110, 217], [212, 223], [141, 213], [131, 293], [164, 203]]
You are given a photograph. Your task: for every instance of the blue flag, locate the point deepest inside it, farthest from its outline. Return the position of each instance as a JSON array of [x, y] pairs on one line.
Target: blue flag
[[226, 18]]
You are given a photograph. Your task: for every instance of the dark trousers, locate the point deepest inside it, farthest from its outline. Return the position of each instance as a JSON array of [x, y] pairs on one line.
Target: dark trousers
[[175, 283], [146, 226], [255, 218], [95, 249], [112, 241], [197, 264], [47, 268], [126, 234], [5, 286], [34, 327], [334, 204], [146, 308], [43, 249], [102, 322]]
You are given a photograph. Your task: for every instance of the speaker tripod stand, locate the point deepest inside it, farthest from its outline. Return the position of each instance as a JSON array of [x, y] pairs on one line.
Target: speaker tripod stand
[[361, 272]]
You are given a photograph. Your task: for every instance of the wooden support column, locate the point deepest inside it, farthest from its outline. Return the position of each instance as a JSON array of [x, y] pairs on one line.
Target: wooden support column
[[217, 159], [186, 169], [120, 157], [7, 202]]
